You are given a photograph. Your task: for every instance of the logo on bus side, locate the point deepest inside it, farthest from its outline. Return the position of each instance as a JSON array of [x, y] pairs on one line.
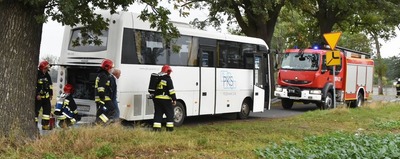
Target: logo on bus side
[[228, 80]]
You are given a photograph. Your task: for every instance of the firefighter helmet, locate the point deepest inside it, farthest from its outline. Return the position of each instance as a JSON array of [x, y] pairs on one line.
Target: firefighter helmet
[[44, 64], [68, 88], [166, 69], [107, 64]]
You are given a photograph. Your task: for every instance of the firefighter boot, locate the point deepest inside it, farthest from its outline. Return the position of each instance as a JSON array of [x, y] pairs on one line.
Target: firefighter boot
[[170, 129], [46, 127], [156, 129]]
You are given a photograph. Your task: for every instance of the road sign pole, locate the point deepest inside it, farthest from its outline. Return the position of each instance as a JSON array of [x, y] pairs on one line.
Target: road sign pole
[[334, 87]]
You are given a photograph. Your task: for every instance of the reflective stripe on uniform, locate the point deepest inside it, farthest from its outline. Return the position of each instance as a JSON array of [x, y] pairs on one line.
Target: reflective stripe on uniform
[[46, 117], [61, 117], [172, 91], [170, 124], [162, 97], [156, 125], [36, 119], [100, 89], [106, 98], [103, 118], [66, 101]]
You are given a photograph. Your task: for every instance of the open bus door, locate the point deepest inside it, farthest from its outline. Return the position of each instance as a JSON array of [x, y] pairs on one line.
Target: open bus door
[[258, 88]]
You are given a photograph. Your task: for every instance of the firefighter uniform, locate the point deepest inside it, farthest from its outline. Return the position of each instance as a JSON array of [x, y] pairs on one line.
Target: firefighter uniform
[[44, 93], [103, 92], [66, 111], [163, 97]]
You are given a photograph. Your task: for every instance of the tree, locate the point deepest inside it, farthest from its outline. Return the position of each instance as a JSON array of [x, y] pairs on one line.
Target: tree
[[379, 24], [21, 24], [255, 18]]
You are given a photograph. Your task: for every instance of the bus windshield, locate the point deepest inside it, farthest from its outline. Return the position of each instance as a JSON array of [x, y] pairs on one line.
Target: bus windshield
[[300, 61], [89, 47]]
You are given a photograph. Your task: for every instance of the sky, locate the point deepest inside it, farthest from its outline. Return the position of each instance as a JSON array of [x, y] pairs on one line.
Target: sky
[[52, 34]]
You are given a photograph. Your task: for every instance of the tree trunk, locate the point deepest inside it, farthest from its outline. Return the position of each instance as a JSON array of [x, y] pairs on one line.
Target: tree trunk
[[379, 64], [20, 36]]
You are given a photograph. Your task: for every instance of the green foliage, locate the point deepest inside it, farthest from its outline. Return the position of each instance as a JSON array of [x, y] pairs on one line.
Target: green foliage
[[392, 62], [388, 125], [49, 155], [105, 151], [336, 145]]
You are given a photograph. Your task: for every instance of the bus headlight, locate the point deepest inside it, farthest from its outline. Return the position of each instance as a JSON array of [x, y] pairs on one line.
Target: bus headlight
[[315, 91], [278, 89]]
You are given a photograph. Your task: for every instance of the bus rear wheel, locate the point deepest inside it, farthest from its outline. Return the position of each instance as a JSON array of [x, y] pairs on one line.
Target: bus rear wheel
[[244, 110], [179, 114]]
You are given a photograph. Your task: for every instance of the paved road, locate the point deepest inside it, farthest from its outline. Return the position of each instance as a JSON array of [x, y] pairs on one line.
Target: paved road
[[276, 110]]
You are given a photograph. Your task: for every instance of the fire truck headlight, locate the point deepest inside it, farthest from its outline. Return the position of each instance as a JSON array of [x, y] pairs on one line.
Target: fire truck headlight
[[278, 89], [315, 91]]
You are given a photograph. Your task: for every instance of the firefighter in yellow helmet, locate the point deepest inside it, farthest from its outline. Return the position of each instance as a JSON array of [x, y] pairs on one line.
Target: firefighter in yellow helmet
[[164, 100], [103, 92], [44, 93]]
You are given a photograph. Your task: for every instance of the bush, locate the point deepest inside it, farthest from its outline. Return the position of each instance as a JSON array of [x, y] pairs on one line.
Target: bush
[[337, 145]]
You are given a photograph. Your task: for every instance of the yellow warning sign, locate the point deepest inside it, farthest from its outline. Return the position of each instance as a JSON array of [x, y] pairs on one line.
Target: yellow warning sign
[[332, 58], [332, 39]]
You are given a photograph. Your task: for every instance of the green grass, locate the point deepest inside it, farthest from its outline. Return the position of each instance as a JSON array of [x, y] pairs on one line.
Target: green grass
[[299, 136]]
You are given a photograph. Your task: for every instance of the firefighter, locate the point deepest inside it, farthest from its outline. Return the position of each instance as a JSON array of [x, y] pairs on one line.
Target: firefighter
[[66, 109], [116, 73], [398, 88], [103, 92], [164, 100], [44, 93]]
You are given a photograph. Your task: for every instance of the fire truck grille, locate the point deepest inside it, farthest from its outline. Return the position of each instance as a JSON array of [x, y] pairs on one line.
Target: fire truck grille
[[297, 82]]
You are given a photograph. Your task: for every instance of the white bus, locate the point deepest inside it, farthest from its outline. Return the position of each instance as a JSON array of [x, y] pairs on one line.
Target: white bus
[[213, 73]]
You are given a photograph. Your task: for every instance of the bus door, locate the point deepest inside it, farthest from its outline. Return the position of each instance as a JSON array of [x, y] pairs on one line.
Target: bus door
[[258, 80], [207, 80]]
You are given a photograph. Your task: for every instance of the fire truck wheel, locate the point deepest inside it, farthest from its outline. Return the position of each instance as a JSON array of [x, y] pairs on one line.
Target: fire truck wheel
[[287, 103], [328, 103], [179, 114], [359, 102], [244, 110]]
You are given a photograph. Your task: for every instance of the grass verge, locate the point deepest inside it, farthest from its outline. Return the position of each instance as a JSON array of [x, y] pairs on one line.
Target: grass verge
[[309, 133]]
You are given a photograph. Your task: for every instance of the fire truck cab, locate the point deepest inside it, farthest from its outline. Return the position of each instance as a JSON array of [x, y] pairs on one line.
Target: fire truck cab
[[305, 77]]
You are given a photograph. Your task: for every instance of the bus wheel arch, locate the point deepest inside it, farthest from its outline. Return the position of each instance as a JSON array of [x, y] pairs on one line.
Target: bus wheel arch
[[179, 113], [245, 108]]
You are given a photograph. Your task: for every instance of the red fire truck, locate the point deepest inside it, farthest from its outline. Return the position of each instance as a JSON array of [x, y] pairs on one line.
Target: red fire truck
[[305, 77]]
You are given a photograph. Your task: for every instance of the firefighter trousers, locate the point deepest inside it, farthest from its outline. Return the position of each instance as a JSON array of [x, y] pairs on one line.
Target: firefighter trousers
[[105, 113], [161, 107], [43, 103]]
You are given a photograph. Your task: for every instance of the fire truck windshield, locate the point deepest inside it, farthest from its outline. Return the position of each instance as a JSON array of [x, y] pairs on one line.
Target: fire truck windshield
[[300, 61]]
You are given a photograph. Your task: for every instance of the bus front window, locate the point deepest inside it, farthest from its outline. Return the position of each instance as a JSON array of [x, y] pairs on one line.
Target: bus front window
[[75, 43], [300, 61]]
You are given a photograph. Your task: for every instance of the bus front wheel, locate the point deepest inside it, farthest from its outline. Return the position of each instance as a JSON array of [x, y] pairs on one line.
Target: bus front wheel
[[179, 114]]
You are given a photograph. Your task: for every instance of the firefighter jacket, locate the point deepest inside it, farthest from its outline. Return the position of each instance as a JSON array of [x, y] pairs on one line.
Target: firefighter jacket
[[103, 90], [165, 89], [66, 107], [44, 86]]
